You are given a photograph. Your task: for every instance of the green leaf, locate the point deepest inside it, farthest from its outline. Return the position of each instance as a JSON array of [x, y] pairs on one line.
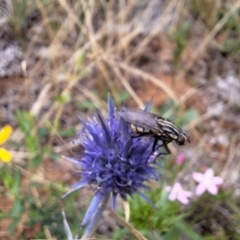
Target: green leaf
[[86, 105], [32, 143], [43, 132], [67, 132], [16, 188], [81, 60], [37, 160], [12, 180], [25, 120], [123, 97], [172, 234], [187, 117], [167, 106], [17, 208], [188, 231], [64, 98]]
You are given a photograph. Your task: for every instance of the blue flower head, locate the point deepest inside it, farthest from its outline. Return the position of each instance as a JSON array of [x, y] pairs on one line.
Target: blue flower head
[[114, 162]]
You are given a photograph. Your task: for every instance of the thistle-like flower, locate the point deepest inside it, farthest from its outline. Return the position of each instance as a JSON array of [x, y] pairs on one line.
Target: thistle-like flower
[[114, 162]]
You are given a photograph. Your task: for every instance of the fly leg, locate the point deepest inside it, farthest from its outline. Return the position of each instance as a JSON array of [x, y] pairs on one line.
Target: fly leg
[[155, 145], [164, 145]]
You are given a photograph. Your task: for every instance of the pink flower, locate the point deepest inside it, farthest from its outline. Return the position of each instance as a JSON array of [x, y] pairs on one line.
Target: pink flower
[[207, 182], [177, 193], [180, 158]]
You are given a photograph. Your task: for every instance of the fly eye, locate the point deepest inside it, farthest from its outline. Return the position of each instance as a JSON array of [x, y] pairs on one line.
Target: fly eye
[[181, 139]]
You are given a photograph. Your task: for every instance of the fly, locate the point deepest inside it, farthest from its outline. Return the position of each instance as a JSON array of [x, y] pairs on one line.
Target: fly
[[147, 124]]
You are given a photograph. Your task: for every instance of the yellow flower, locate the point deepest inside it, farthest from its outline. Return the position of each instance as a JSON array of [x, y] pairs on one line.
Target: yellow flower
[[5, 133]]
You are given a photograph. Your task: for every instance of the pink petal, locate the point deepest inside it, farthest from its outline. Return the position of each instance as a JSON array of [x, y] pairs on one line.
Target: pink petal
[[172, 196], [188, 193], [198, 177], [201, 188], [218, 180], [212, 189], [209, 173], [183, 200], [175, 190], [183, 197]]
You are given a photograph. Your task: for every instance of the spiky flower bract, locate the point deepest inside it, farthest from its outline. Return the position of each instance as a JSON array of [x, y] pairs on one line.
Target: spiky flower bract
[[114, 162]]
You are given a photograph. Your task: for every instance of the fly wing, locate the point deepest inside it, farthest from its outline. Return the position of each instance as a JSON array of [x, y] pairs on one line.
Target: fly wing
[[140, 118]]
